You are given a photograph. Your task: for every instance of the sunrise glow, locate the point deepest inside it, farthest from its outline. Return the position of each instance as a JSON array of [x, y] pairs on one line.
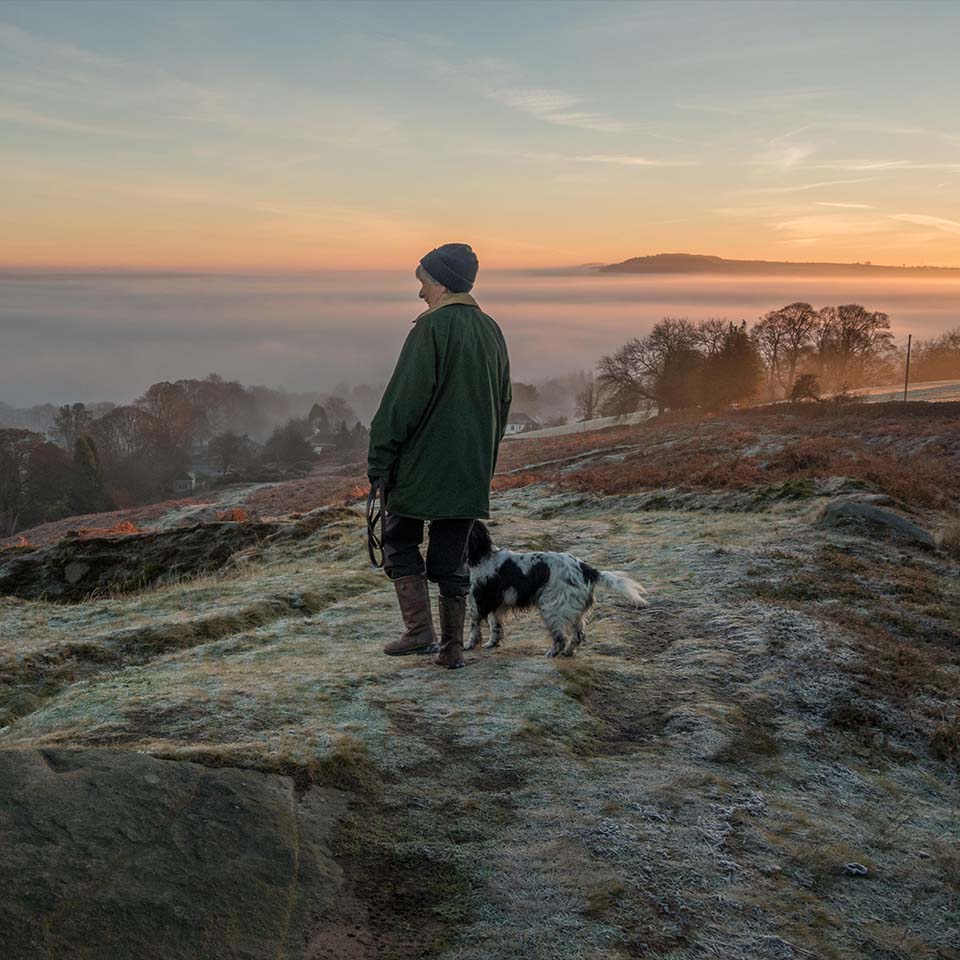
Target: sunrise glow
[[292, 136]]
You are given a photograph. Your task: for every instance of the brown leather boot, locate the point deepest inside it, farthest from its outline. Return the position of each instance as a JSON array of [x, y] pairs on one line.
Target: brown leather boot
[[452, 612], [413, 595]]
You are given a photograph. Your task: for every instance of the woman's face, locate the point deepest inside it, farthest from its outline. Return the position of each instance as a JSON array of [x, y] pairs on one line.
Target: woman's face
[[431, 293]]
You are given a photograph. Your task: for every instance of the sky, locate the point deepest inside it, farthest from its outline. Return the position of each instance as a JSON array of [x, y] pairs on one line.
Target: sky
[[344, 136]]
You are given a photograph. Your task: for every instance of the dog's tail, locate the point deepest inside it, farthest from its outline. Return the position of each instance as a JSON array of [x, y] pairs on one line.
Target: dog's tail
[[622, 584]]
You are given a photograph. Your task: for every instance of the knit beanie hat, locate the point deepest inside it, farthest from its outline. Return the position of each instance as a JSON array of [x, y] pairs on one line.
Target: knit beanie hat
[[454, 266]]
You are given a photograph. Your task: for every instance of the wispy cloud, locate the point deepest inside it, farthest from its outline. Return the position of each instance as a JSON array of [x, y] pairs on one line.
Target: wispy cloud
[[867, 124], [557, 107], [626, 160], [614, 159], [880, 165], [771, 100], [31, 118], [784, 157], [799, 188], [760, 211], [833, 225], [846, 206], [505, 83], [922, 220], [49, 85]]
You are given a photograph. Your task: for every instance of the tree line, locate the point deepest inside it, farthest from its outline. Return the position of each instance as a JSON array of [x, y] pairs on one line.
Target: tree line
[[794, 352], [131, 454]]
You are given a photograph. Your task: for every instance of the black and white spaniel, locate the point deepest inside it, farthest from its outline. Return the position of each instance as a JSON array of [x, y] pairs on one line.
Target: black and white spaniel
[[558, 584]]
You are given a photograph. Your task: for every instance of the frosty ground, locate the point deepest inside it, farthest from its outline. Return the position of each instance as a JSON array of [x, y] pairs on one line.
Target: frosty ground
[[762, 764]]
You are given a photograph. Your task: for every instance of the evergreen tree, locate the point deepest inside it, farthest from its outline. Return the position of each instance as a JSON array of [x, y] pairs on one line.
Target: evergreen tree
[[805, 387], [734, 373], [287, 444], [89, 494], [318, 418], [678, 385]]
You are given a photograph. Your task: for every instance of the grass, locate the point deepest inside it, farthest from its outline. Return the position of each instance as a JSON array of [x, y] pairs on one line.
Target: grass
[[949, 538], [899, 620], [690, 784], [779, 451], [945, 742]]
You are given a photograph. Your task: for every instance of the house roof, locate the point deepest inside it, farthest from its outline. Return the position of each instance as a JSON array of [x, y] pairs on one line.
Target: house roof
[[521, 418]]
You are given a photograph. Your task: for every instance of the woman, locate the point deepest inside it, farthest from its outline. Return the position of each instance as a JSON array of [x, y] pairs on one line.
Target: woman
[[433, 448]]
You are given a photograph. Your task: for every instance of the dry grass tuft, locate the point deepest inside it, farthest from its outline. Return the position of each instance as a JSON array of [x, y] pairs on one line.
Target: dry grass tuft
[[945, 742], [892, 450], [234, 515], [949, 539]]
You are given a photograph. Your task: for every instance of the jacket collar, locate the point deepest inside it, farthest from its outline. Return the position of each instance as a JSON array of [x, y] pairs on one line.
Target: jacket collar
[[451, 298]]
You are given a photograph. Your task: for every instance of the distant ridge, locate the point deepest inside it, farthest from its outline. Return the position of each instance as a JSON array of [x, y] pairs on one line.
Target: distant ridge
[[700, 263]]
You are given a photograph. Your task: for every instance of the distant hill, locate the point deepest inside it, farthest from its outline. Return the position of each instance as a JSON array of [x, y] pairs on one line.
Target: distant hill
[[699, 263]]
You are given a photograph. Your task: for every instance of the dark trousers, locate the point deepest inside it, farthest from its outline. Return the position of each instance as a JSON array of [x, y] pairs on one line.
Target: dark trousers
[[446, 554]]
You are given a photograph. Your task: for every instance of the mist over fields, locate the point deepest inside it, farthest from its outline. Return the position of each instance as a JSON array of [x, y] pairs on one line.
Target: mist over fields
[[89, 337]]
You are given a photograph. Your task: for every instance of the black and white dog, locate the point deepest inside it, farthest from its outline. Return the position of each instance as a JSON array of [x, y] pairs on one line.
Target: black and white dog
[[558, 584]]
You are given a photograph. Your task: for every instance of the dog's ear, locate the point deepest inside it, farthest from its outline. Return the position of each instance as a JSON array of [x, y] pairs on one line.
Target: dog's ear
[[479, 545]]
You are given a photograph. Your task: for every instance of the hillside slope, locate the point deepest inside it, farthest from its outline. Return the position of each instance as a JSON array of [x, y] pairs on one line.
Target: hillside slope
[[762, 764]]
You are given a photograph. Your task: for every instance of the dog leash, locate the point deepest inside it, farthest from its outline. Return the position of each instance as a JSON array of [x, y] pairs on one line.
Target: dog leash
[[374, 516]]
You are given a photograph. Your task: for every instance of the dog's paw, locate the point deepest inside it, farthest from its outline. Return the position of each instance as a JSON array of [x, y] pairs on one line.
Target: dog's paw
[[491, 644], [567, 651], [471, 643]]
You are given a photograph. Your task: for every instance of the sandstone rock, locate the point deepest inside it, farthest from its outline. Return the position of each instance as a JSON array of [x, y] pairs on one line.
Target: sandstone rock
[[107, 854], [77, 568], [865, 514], [74, 569]]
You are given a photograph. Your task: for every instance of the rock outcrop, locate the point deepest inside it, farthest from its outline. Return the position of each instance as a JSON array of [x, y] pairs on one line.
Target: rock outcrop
[[109, 853], [78, 568], [867, 515]]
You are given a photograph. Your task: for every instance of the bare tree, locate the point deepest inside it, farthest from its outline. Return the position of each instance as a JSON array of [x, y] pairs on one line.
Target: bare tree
[[937, 358], [125, 431], [854, 346], [712, 334], [769, 337], [588, 400], [229, 450], [634, 371], [784, 337], [170, 406]]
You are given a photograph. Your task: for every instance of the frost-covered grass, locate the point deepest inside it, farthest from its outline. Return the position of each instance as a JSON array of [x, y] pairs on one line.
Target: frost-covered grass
[[691, 784]]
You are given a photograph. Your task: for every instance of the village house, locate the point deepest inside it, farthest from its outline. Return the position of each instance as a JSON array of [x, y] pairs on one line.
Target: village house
[[321, 439], [184, 483], [521, 423]]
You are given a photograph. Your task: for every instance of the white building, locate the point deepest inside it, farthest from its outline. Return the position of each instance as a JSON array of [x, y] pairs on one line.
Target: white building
[[521, 423], [184, 483]]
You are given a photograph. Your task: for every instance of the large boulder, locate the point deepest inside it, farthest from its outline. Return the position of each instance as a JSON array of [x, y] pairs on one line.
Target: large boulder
[[107, 854], [868, 516]]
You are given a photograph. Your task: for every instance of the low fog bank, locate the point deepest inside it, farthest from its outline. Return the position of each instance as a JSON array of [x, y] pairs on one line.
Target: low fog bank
[[98, 337]]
